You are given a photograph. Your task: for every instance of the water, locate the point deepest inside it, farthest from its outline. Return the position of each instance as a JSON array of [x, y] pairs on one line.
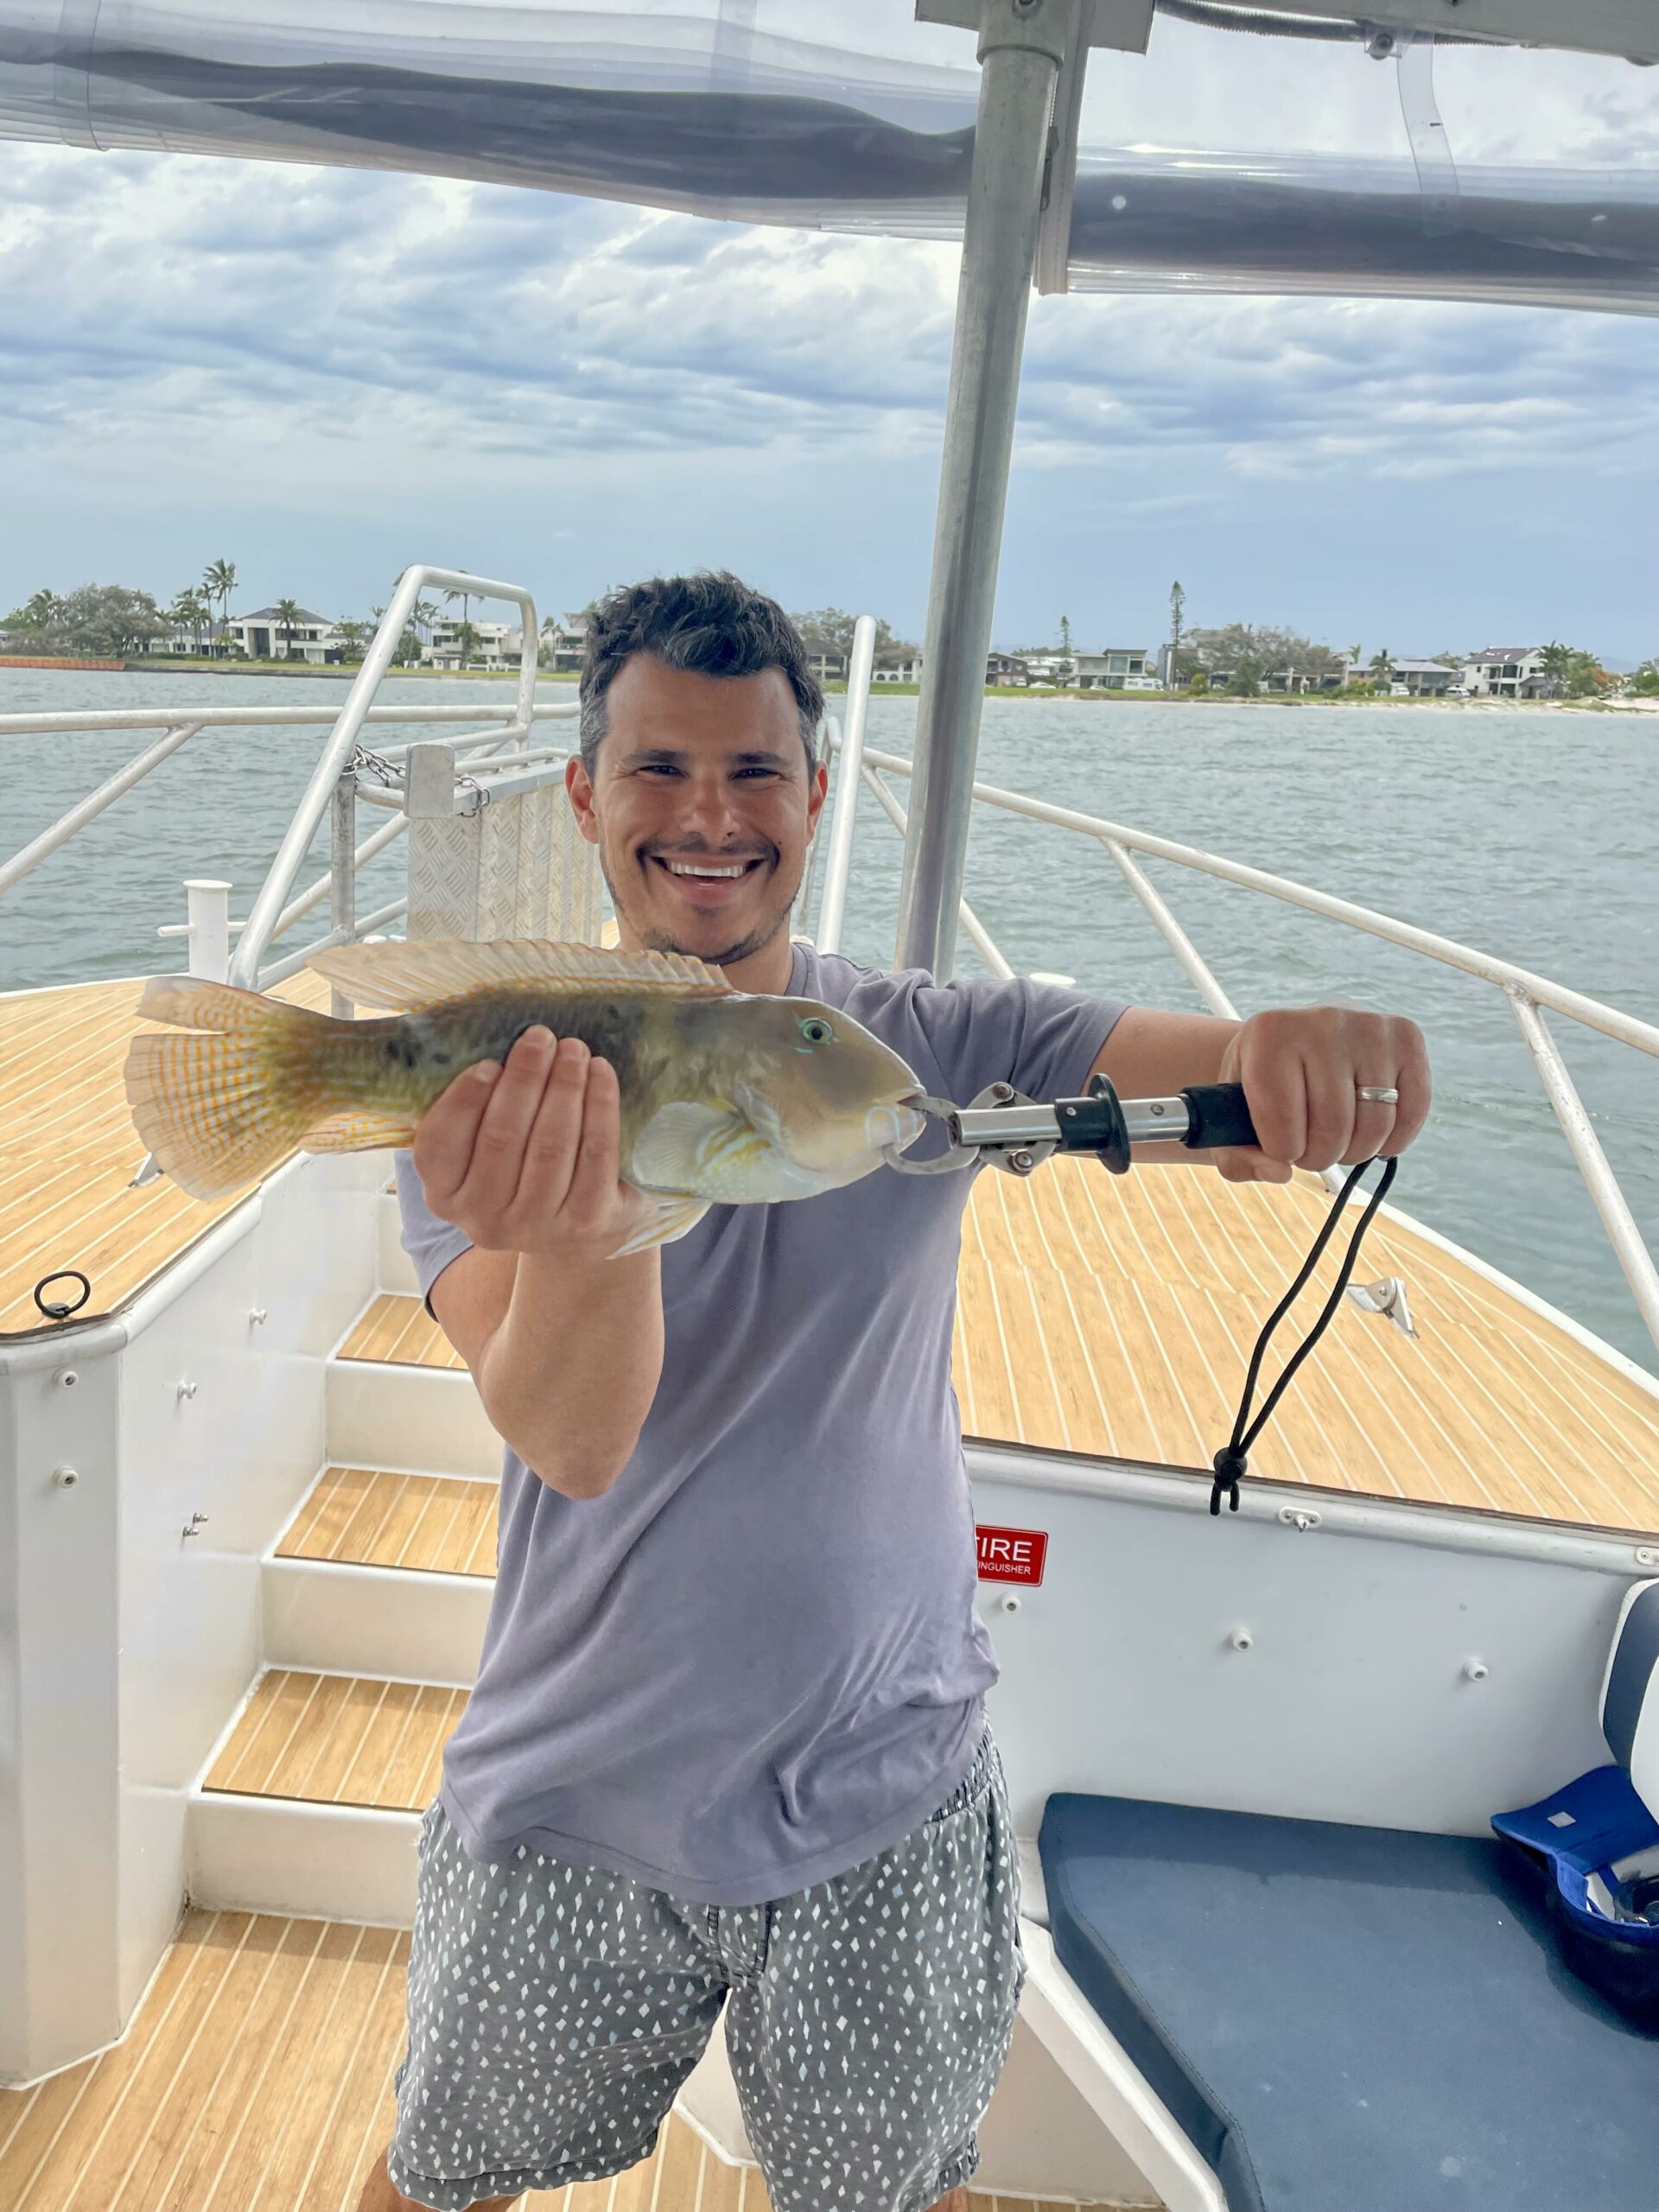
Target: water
[[1529, 836]]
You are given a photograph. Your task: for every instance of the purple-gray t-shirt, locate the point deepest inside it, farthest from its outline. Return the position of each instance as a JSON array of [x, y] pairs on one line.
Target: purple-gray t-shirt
[[755, 1661]]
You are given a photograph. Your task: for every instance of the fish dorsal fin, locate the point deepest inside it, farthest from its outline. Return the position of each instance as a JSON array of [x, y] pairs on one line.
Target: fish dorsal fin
[[427, 971]]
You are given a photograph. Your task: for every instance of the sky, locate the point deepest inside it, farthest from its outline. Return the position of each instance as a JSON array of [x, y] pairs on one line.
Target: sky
[[325, 374]]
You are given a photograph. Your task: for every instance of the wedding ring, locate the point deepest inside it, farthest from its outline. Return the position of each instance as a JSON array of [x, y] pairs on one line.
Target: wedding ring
[[1377, 1094]]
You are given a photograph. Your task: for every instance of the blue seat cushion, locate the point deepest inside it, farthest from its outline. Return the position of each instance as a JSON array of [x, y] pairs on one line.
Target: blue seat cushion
[[1350, 2019]]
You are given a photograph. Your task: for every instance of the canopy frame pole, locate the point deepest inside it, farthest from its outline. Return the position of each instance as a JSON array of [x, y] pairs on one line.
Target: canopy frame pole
[[1022, 44]]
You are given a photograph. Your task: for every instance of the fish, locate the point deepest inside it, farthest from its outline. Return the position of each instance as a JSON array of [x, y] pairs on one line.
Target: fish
[[728, 1097]]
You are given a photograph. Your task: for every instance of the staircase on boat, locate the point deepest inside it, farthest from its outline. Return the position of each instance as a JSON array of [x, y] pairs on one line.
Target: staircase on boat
[[257, 2069]]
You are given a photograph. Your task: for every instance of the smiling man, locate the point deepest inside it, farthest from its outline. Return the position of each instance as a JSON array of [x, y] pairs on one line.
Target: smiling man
[[728, 1746]]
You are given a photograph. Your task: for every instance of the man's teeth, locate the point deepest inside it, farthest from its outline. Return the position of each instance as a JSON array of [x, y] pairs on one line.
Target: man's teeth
[[680, 868]]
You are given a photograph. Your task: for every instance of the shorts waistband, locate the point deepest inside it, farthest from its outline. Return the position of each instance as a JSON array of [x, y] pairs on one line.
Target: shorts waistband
[[977, 1780]]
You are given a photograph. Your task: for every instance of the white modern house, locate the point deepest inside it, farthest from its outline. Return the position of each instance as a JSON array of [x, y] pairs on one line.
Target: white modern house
[[898, 667], [1117, 668], [494, 644], [265, 635], [1506, 672], [564, 641]]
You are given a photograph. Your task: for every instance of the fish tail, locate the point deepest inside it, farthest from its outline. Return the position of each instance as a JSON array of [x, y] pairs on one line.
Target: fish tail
[[221, 1109]]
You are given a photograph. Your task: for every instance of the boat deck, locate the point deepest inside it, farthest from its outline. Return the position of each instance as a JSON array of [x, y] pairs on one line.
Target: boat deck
[[258, 2074], [1098, 1314]]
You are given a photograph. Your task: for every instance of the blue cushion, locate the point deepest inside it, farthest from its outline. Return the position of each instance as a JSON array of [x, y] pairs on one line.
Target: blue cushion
[[1349, 2019]]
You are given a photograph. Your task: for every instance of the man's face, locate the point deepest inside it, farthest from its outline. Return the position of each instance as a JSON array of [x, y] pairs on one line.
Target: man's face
[[699, 772]]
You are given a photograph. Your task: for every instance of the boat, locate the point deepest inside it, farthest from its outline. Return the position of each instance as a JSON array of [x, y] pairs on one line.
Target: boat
[[1276, 1959]]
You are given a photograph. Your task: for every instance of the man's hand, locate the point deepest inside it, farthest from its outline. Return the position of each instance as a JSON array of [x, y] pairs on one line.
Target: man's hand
[[524, 1156], [1302, 1067]]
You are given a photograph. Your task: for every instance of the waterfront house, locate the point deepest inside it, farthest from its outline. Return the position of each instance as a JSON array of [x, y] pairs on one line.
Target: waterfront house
[[1117, 668], [900, 665], [1294, 679], [264, 635], [1006, 669], [564, 642], [1422, 679], [1506, 672], [495, 644], [829, 668]]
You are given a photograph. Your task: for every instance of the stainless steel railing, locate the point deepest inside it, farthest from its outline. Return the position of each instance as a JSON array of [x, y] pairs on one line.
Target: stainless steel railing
[[1527, 993]]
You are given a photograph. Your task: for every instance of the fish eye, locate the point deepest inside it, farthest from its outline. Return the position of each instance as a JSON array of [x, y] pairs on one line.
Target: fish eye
[[817, 1030]]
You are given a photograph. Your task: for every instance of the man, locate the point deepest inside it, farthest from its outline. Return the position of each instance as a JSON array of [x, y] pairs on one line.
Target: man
[[727, 1740]]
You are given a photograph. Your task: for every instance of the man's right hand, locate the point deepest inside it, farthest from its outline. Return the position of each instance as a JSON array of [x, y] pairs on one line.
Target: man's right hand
[[524, 1156]]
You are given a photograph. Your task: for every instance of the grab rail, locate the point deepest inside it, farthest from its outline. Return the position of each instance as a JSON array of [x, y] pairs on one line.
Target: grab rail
[[1526, 991], [337, 753]]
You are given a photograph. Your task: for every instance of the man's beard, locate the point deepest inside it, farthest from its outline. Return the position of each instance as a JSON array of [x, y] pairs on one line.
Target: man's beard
[[660, 940]]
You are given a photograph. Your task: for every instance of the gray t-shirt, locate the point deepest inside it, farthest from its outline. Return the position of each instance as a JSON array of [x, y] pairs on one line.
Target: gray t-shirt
[[755, 1661]]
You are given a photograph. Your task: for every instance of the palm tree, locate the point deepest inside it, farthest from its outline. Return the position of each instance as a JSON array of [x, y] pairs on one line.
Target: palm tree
[[1558, 665], [40, 612], [189, 610], [466, 599], [289, 613], [423, 614], [468, 639], [1381, 666], [352, 634], [218, 582]]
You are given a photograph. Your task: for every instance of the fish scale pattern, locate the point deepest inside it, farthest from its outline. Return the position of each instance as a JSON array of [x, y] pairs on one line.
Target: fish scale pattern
[[555, 2010]]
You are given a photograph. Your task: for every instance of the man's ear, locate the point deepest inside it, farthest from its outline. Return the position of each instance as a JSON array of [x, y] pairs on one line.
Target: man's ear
[[576, 782], [818, 786]]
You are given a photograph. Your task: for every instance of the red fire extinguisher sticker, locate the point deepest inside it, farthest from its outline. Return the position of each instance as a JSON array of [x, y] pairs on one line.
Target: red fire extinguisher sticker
[[1012, 1554]]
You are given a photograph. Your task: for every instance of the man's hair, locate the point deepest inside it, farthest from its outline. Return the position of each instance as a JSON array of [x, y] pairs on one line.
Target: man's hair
[[708, 625]]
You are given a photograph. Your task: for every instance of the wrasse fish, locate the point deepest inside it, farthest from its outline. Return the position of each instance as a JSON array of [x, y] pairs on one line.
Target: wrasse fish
[[726, 1098]]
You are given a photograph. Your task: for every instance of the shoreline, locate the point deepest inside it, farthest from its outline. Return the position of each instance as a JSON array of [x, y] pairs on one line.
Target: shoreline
[[345, 672]]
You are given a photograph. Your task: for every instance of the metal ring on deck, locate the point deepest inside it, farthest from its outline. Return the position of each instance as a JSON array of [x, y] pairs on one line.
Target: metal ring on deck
[[953, 1157], [53, 1309]]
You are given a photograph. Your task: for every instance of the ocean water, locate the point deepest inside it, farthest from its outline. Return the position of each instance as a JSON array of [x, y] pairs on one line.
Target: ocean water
[[1533, 836]]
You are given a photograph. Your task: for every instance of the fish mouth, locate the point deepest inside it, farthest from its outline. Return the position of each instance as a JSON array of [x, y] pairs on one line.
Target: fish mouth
[[896, 1126]]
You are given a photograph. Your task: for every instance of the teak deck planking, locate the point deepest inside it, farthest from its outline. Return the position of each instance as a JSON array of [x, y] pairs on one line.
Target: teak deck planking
[[1098, 1314], [257, 2075]]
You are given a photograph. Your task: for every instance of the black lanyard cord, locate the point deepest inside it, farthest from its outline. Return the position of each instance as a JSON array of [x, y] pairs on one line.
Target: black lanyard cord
[[1231, 1463]]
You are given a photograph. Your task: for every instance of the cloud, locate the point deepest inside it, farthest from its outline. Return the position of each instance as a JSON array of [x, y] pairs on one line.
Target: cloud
[[350, 358]]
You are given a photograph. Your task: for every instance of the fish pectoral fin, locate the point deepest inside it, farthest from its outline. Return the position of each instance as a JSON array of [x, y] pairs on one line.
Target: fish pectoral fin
[[424, 971], [672, 1213], [684, 1144], [364, 1132]]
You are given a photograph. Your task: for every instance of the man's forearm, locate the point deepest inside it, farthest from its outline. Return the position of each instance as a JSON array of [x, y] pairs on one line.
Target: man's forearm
[[570, 1375]]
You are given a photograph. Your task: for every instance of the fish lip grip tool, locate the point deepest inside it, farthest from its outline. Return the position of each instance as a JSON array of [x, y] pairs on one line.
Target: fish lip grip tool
[[1009, 1130]]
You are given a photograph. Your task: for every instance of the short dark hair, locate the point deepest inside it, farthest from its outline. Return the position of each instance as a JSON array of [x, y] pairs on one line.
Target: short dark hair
[[709, 625]]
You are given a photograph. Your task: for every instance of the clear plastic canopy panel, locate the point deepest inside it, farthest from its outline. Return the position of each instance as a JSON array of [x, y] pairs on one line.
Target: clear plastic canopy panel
[[672, 111]]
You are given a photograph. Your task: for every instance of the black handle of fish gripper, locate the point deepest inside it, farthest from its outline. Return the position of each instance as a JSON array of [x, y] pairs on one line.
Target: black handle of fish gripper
[[1095, 1123], [1218, 1115]]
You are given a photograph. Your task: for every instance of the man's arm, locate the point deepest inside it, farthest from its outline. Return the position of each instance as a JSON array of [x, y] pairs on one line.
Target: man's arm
[[564, 1343], [1300, 1067]]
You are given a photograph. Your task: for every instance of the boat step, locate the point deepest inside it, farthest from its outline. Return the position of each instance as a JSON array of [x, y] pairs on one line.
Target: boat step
[[406, 1410], [382, 1573], [337, 1739], [258, 2072]]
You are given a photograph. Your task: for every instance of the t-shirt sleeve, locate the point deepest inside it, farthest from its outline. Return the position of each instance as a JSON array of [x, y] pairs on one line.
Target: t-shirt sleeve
[[431, 1244], [1040, 1038]]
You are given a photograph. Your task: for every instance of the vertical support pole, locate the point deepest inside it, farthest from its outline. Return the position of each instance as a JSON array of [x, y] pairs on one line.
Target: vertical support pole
[[1021, 46], [207, 904], [342, 873]]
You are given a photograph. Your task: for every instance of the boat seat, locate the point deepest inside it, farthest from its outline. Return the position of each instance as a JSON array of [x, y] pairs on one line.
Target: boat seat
[[1369, 2018], [1364, 2018]]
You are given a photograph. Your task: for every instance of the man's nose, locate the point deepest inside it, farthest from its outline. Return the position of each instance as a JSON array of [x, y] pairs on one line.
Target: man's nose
[[710, 812]]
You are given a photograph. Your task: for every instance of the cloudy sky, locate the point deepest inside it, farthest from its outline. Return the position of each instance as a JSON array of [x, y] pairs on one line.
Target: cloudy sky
[[325, 374]]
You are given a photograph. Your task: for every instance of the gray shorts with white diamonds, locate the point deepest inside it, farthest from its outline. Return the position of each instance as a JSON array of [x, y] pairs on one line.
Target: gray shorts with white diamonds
[[554, 2011]]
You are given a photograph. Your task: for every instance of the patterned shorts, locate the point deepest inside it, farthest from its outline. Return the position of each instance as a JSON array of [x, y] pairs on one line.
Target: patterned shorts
[[554, 2011]]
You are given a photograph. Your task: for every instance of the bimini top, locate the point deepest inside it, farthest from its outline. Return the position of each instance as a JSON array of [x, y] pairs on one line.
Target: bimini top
[[693, 111]]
